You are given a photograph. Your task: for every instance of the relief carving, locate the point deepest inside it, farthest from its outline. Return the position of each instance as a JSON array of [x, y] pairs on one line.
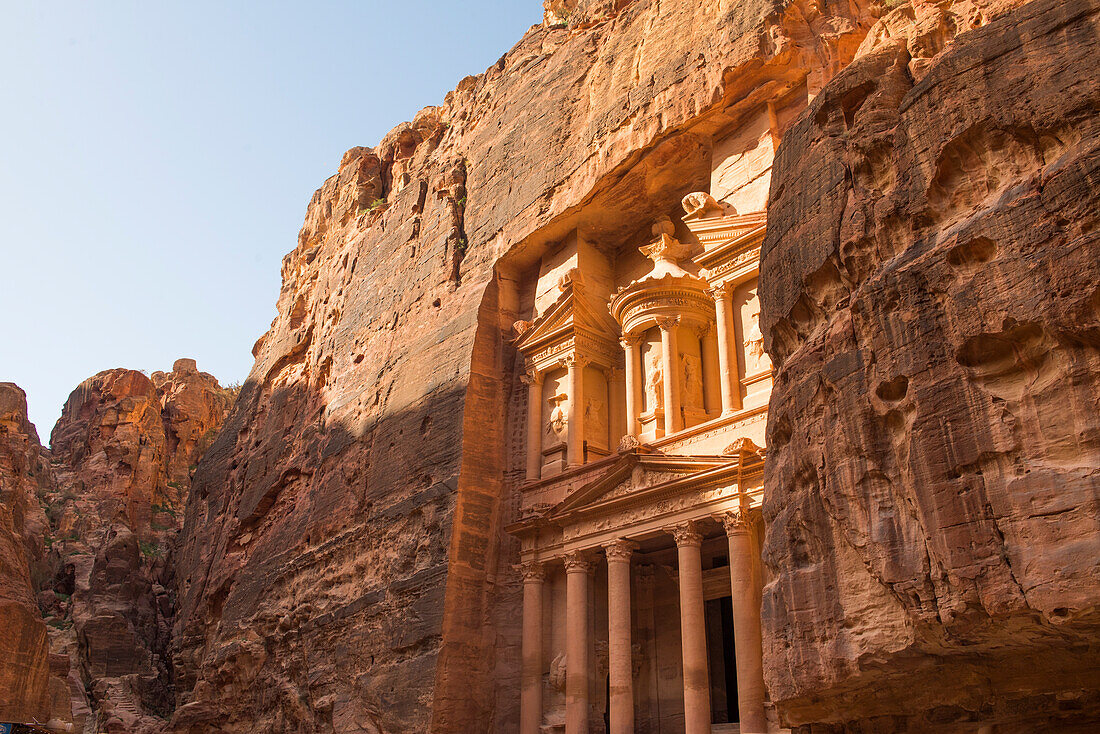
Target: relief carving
[[558, 423], [654, 384], [693, 381]]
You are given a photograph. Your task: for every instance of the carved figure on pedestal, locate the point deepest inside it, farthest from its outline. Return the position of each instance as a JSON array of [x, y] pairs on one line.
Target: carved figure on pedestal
[[754, 343], [595, 418], [693, 382], [654, 384], [558, 423]]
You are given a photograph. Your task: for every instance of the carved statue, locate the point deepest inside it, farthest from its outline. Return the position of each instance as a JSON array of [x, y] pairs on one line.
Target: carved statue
[[754, 341], [654, 384], [558, 421], [557, 673], [693, 381], [595, 418], [700, 203]]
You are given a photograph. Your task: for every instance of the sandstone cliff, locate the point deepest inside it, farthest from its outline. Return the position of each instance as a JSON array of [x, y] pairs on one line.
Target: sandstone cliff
[[119, 472], [929, 284], [24, 646], [343, 566]]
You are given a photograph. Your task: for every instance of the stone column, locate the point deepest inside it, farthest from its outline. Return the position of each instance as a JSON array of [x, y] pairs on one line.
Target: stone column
[[574, 447], [670, 365], [748, 645], [633, 381], [530, 702], [619, 662], [616, 413], [708, 345], [534, 425], [727, 357], [577, 570], [693, 635]]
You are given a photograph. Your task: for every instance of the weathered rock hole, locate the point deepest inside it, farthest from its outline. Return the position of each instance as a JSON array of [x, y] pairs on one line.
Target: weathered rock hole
[[853, 100], [358, 358], [893, 390], [436, 303], [972, 253], [425, 425]]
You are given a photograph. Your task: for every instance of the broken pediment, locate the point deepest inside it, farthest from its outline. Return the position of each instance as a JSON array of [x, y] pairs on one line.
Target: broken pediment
[[569, 324]]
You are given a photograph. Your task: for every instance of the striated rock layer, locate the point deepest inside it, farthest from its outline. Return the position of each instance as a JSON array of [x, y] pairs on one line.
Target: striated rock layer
[[931, 302], [121, 457], [344, 566], [24, 645]]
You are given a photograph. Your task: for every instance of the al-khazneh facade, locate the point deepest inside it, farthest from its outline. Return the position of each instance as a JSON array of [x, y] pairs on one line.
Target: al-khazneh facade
[[639, 511]]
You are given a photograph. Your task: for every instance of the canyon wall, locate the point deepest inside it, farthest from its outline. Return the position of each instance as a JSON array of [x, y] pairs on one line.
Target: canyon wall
[[24, 644], [87, 530], [930, 300], [343, 565]]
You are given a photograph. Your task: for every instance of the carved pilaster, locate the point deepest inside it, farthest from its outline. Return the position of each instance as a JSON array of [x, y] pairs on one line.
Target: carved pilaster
[[532, 377]]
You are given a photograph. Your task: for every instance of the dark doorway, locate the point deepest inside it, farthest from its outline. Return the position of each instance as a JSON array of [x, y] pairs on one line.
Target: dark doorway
[[723, 666]]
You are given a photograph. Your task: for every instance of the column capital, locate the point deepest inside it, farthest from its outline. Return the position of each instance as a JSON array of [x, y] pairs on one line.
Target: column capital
[[701, 330], [719, 292], [686, 533], [619, 550], [613, 373], [532, 377], [532, 571], [570, 361], [631, 340], [578, 561], [667, 323], [736, 521]]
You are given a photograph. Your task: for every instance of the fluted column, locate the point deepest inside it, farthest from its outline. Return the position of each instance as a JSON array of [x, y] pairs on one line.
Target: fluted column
[[574, 447], [630, 344], [534, 425], [619, 663], [748, 646], [670, 365], [577, 570], [693, 635], [530, 703], [727, 357]]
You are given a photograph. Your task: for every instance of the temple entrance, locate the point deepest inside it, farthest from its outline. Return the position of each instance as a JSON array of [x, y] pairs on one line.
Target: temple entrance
[[720, 654]]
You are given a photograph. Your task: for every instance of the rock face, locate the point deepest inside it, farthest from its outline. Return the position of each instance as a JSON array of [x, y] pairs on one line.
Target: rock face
[[930, 300], [344, 566], [121, 459], [24, 645]]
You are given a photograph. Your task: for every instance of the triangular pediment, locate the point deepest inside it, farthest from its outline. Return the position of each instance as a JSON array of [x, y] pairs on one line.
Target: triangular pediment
[[636, 474]]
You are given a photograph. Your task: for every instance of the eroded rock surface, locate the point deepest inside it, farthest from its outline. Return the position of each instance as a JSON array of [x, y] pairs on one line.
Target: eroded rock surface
[[24, 645], [121, 458], [930, 299]]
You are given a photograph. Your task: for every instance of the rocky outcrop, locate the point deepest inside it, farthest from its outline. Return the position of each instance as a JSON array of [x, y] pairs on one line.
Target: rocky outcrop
[[24, 648], [344, 566], [930, 301], [121, 460]]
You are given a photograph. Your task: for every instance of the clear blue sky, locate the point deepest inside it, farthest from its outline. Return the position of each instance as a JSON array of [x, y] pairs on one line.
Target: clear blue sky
[[156, 159]]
